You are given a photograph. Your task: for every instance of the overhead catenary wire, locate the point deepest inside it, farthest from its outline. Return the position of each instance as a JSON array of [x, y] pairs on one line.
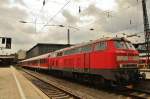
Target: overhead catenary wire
[[52, 18], [108, 14], [36, 15], [131, 22], [36, 18], [137, 17]]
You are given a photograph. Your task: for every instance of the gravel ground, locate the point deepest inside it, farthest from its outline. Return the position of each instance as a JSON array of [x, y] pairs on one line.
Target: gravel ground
[[84, 91]]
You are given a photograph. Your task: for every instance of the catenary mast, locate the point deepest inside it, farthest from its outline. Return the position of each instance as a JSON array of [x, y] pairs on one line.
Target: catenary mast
[[146, 31]]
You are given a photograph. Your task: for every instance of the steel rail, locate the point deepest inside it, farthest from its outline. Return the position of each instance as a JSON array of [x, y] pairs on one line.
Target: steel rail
[[49, 89]]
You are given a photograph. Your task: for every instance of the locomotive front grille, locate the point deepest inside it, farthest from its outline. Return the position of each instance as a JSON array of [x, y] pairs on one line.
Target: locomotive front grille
[[128, 66]]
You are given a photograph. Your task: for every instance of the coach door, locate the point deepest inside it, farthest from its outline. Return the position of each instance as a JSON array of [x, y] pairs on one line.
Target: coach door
[[86, 50]]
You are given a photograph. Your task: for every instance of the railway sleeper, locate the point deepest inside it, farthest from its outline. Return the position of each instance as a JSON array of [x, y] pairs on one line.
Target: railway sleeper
[[142, 95], [59, 95], [52, 91], [55, 93], [64, 97]]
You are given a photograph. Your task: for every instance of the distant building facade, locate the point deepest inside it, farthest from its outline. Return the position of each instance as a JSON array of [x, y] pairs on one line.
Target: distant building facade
[[21, 54], [42, 48]]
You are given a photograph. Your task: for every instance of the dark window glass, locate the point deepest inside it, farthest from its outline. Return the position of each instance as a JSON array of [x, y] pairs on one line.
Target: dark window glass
[[120, 44], [72, 51], [59, 54], [3, 40], [86, 48], [66, 52], [100, 46], [8, 43]]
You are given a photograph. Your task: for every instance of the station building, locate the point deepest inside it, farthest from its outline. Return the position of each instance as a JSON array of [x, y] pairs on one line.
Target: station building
[[42, 48]]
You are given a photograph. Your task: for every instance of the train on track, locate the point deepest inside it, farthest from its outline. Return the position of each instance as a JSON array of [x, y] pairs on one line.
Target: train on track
[[143, 63], [107, 59]]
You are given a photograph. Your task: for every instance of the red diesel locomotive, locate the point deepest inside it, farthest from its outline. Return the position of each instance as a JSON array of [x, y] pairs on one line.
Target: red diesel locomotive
[[112, 59]]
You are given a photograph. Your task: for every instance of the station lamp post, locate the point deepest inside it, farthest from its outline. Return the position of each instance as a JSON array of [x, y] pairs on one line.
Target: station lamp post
[[68, 31], [60, 25], [28, 22]]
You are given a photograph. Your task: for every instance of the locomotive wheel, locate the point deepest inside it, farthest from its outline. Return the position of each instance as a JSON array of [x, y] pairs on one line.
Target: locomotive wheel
[[110, 84], [143, 76]]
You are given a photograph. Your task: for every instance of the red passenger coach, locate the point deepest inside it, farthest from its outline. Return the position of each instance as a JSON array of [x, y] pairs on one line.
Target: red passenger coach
[[113, 59], [40, 62]]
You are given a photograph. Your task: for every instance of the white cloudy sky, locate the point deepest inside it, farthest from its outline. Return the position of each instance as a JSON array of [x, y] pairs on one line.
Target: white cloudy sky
[[94, 14]]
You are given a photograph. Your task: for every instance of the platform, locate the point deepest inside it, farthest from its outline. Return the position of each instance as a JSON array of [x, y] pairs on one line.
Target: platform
[[13, 85]]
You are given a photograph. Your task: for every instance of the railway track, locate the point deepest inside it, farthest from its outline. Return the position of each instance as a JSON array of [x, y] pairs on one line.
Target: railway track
[[53, 92], [134, 93], [141, 90]]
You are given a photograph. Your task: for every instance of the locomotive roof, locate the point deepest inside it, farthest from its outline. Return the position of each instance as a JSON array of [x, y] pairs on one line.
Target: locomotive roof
[[77, 45], [93, 41]]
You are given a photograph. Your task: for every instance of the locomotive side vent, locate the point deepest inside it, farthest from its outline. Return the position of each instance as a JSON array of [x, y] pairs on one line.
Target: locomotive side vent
[[128, 66]]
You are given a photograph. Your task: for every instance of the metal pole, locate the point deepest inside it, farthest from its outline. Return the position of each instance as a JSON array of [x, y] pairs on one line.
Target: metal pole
[[146, 30], [68, 36]]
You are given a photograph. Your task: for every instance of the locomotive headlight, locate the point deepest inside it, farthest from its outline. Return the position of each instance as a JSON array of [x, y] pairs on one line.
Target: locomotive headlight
[[122, 58], [135, 58]]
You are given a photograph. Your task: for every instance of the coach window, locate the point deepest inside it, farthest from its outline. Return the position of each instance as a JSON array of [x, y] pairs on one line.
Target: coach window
[[59, 54], [73, 51], [66, 52], [100, 46], [86, 48], [41, 61], [77, 50]]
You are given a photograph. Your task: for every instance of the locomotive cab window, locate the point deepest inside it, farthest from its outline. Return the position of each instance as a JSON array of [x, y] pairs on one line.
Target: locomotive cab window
[[120, 44], [100, 46], [130, 46]]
